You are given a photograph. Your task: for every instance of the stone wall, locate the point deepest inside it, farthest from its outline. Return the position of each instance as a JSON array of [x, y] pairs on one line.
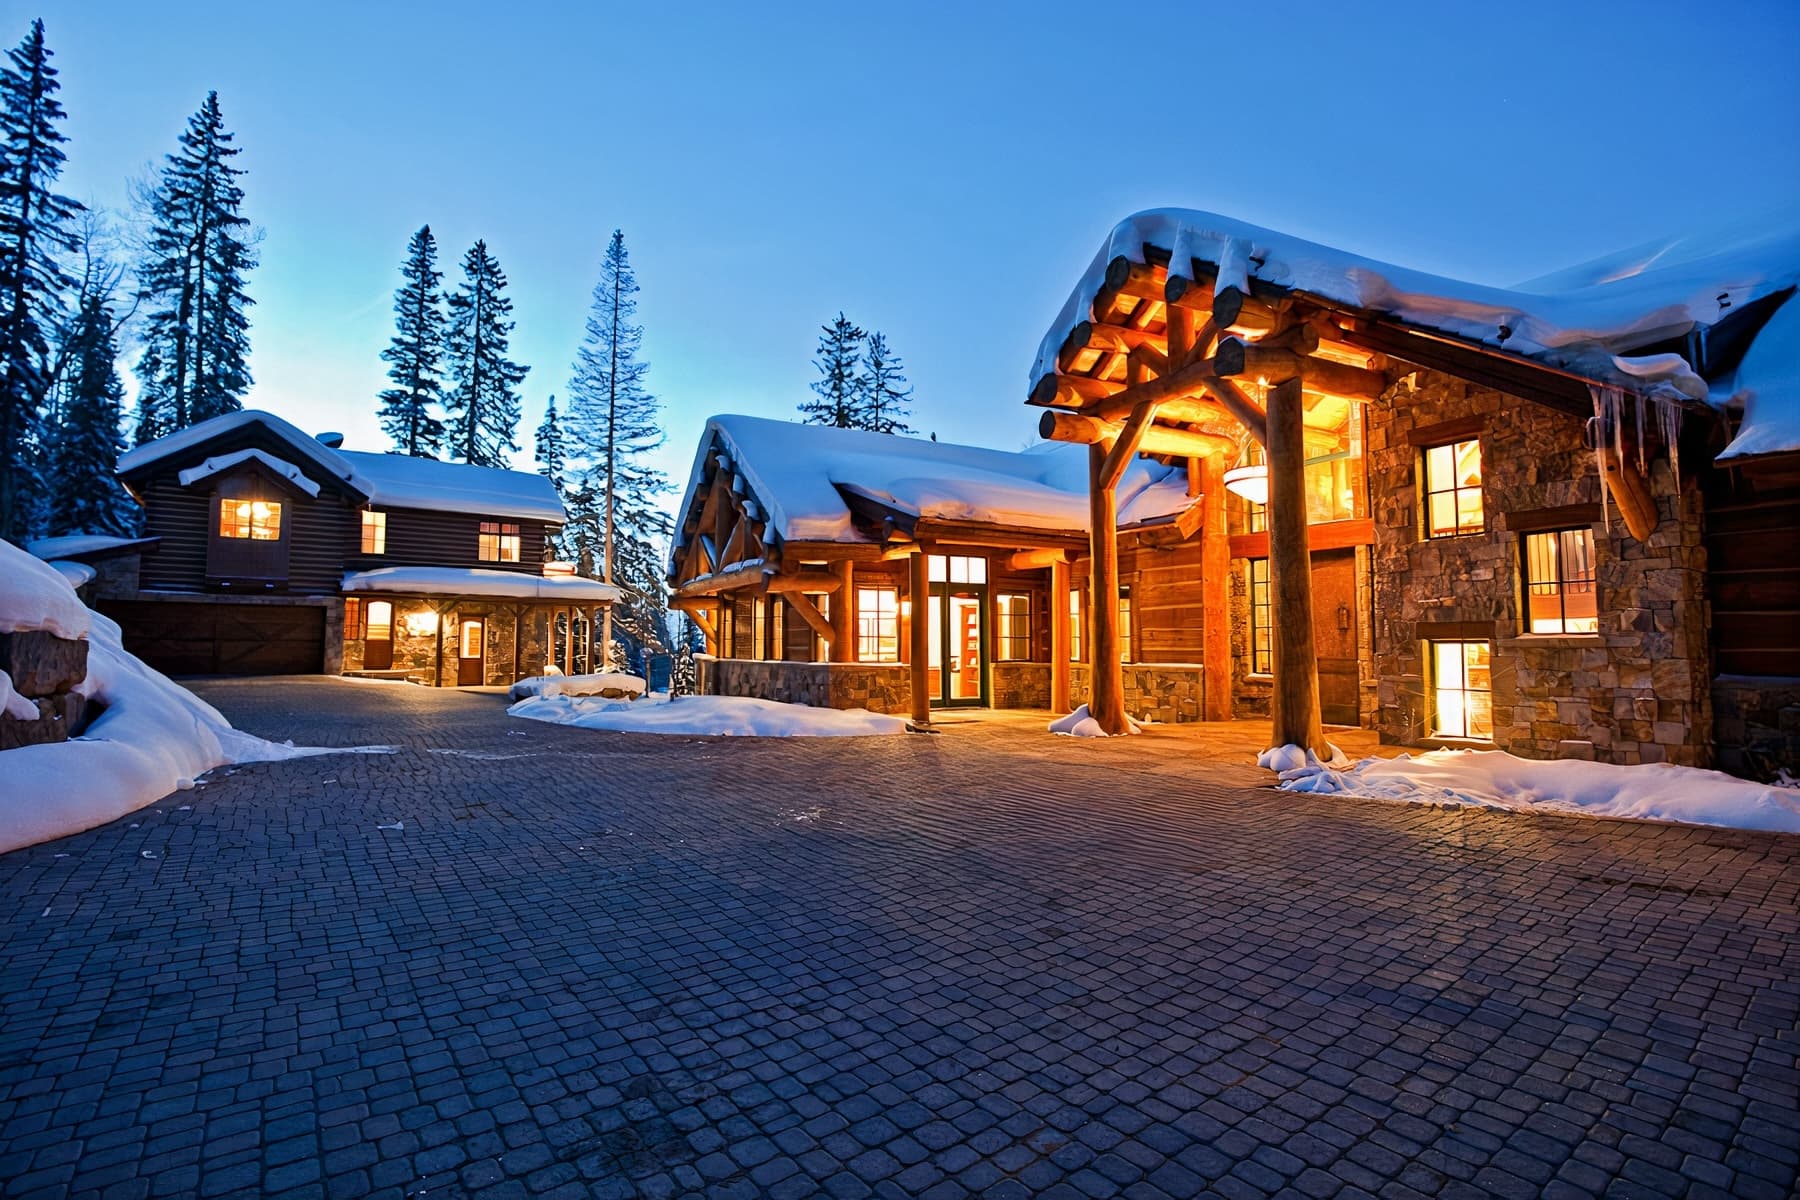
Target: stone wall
[[417, 653], [878, 687], [1165, 692], [45, 670], [1636, 691], [1021, 684], [1757, 724]]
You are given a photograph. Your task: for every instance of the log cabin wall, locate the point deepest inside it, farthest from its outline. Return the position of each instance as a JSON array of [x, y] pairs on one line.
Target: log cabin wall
[[423, 538], [1637, 690], [317, 531], [1753, 567]]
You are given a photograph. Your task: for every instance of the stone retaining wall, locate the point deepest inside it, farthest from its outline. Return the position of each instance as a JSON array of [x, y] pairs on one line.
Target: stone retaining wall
[[1021, 685], [45, 670], [1757, 723], [1165, 692], [878, 687]]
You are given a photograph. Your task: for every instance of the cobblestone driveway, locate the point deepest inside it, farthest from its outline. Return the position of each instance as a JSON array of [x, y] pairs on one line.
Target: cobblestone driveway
[[597, 965]]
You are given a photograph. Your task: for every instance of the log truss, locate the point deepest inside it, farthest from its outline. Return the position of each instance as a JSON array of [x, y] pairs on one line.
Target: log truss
[[724, 531]]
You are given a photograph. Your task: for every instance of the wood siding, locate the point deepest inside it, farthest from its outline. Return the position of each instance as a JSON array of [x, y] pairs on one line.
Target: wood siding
[[421, 538], [1167, 617], [1753, 560]]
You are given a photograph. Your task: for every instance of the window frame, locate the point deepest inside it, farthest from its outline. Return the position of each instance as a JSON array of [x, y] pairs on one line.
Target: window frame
[[374, 520], [1262, 633], [504, 535], [878, 624], [1077, 625], [243, 516], [1455, 490], [1010, 643], [1435, 689], [1563, 584]]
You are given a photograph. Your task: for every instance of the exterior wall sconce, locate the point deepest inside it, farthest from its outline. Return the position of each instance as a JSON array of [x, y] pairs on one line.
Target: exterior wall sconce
[[1251, 482], [420, 624]]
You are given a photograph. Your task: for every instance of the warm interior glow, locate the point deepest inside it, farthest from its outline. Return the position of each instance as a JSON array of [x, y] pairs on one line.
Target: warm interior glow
[[258, 520], [559, 568], [421, 624], [1251, 482]]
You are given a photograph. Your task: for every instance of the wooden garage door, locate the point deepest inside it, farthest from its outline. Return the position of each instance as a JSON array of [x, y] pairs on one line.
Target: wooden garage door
[[223, 639]]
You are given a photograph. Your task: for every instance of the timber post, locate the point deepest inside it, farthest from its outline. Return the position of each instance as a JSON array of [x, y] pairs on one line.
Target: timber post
[[1060, 700], [1215, 589], [843, 613], [1106, 699], [918, 632], [1296, 699]]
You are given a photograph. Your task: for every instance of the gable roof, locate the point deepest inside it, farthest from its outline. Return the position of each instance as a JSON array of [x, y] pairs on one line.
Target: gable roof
[[384, 480], [801, 475], [1640, 319]]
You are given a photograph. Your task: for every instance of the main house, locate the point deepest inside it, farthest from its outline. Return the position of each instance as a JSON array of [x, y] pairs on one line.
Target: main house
[[1562, 520], [269, 551]]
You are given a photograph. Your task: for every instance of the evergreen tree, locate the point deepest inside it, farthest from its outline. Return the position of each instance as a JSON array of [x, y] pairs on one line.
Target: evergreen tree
[[548, 450], [85, 496], [886, 400], [614, 418], [192, 278], [155, 406], [34, 227], [839, 399], [415, 357], [484, 405]]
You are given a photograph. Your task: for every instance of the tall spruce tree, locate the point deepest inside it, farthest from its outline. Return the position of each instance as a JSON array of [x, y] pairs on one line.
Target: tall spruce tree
[[85, 496], [886, 400], [193, 279], [839, 398], [615, 421], [484, 405], [34, 227], [548, 449], [415, 358]]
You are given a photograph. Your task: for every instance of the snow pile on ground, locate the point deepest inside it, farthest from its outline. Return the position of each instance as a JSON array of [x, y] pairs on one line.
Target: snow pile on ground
[[1081, 723], [706, 716], [1495, 779], [1282, 759], [153, 737], [555, 683]]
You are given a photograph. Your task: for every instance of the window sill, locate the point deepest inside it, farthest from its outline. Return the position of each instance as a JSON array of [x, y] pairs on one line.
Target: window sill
[[1547, 641], [1451, 537], [1259, 677]]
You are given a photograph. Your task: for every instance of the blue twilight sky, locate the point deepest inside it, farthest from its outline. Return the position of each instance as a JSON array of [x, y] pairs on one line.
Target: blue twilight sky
[[940, 172]]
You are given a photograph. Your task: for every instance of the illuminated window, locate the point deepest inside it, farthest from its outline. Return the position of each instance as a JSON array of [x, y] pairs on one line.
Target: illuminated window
[[956, 569], [821, 651], [499, 543], [469, 634], [374, 533], [1262, 625], [877, 625], [759, 629], [258, 520], [1462, 690], [1014, 611], [1076, 632], [380, 627], [1124, 624], [1453, 489], [1559, 582], [778, 631]]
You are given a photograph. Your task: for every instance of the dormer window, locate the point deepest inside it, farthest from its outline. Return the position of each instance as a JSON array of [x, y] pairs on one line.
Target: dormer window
[[374, 532], [257, 520], [498, 542]]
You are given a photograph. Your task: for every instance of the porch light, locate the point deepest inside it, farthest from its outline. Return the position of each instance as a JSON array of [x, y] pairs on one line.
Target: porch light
[[421, 624], [1251, 482]]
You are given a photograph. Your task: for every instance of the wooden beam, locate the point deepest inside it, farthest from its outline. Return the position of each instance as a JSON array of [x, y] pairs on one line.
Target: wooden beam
[[1157, 439], [896, 553], [1072, 391], [1630, 492], [809, 612], [810, 581], [1276, 362], [750, 575], [1295, 702], [1037, 560], [918, 590], [1246, 410], [1106, 703], [1215, 592], [1125, 446], [843, 613], [1060, 700], [703, 618]]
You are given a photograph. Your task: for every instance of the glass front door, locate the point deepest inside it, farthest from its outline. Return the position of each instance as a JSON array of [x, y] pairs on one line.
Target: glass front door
[[957, 665]]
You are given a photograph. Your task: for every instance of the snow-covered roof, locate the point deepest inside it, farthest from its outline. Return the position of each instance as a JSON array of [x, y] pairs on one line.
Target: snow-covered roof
[[85, 545], [1587, 320], [79, 574], [799, 473], [387, 480], [400, 481], [221, 463], [474, 581]]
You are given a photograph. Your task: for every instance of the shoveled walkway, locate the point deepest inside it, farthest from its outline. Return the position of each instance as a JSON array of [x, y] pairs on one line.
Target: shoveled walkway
[[604, 965]]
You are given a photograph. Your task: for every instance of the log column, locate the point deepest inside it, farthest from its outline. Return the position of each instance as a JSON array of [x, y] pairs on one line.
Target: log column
[[1106, 700], [1060, 699], [843, 613], [918, 632], [1215, 589], [1295, 704]]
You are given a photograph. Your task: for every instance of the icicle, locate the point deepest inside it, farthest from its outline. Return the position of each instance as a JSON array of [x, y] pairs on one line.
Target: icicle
[[1643, 453], [1601, 398], [1668, 413]]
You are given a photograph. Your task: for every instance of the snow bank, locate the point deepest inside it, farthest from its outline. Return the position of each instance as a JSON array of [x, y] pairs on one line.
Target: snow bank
[[77, 545], [707, 716], [558, 684], [78, 574], [1495, 779], [153, 737], [1081, 723]]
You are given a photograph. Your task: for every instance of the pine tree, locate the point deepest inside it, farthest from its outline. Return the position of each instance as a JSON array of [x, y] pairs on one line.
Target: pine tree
[[34, 227], [85, 496], [839, 401], [155, 406], [415, 357], [886, 400], [193, 278], [547, 448], [484, 405], [614, 418]]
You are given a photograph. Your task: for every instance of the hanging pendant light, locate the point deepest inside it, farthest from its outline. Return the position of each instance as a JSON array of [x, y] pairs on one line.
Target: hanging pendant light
[[1250, 481]]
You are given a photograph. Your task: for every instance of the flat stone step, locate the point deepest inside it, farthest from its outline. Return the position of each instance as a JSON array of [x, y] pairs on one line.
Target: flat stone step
[[395, 673]]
